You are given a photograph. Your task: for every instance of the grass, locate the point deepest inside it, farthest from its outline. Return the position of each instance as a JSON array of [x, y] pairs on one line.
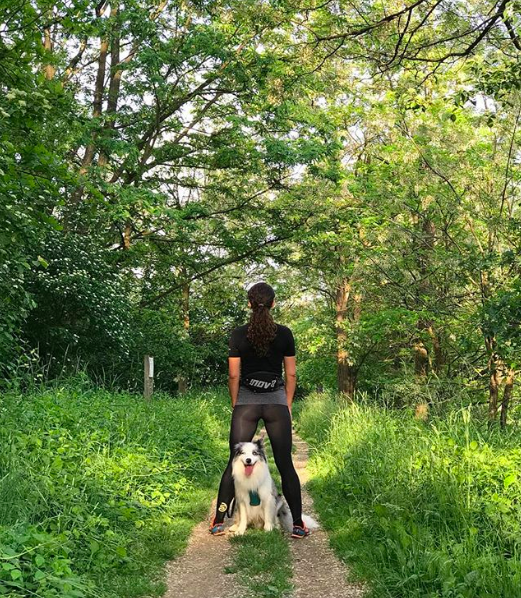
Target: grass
[[263, 563], [418, 509], [99, 489]]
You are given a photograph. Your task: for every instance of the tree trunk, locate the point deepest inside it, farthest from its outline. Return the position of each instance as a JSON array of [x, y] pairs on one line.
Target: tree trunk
[[494, 376], [115, 81], [182, 384], [507, 395], [421, 356], [97, 109], [346, 373], [49, 69], [126, 235], [425, 246], [494, 382], [439, 355], [426, 234]]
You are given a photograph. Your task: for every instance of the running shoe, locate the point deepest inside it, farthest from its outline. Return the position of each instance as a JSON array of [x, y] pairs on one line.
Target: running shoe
[[300, 532], [216, 528]]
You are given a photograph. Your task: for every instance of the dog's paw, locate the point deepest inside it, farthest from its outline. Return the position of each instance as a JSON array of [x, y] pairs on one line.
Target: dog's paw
[[233, 528], [240, 532], [268, 527]]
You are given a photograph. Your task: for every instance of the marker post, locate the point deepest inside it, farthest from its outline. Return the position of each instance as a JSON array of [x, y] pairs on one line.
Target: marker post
[[149, 377]]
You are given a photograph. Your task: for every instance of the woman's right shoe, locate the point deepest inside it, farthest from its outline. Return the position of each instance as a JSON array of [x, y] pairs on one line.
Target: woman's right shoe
[[217, 528], [300, 532]]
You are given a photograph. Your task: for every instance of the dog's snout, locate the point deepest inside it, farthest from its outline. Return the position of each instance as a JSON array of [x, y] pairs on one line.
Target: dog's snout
[[248, 460]]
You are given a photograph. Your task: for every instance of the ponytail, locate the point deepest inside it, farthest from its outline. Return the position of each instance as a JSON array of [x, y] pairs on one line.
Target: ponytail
[[261, 327]]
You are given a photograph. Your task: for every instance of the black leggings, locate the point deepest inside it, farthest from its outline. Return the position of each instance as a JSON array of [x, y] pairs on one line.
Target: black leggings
[[277, 421]]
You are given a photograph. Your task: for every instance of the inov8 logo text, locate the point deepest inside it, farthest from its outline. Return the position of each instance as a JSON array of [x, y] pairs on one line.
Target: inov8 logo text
[[262, 383]]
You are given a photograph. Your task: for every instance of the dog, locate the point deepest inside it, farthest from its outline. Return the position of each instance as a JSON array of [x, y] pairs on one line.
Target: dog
[[257, 502]]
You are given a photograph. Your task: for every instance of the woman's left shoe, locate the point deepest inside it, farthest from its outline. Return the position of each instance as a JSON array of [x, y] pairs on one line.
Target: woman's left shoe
[[300, 532], [217, 528]]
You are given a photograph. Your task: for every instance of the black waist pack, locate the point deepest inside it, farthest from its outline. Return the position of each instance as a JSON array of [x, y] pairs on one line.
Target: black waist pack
[[262, 382]]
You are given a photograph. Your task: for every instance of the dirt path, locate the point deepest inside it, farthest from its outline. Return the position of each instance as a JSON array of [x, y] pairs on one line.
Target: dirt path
[[200, 572], [317, 573]]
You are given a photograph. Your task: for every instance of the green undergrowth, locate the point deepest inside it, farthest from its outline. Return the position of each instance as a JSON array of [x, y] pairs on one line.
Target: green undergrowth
[[263, 563], [418, 509], [99, 489]]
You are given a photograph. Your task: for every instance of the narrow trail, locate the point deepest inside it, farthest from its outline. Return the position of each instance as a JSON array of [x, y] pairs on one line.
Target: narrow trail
[[317, 572], [200, 571]]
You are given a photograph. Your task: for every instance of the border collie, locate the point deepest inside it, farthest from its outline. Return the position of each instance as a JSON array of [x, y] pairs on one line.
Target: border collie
[[257, 502]]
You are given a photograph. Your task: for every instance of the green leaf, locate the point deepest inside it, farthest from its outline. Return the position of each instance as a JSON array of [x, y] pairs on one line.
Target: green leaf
[[42, 261]]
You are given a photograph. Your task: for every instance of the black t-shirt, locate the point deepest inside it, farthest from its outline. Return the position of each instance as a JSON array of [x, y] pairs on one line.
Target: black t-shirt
[[283, 345]]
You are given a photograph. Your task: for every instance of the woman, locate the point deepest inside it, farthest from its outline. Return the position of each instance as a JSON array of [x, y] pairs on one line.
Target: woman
[[257, 391]]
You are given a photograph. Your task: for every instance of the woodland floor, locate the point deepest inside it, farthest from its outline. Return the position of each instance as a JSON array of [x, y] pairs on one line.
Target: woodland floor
[[317, 572]]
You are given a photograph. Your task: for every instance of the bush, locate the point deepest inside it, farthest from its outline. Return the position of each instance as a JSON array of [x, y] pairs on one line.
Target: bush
[[81, 308]]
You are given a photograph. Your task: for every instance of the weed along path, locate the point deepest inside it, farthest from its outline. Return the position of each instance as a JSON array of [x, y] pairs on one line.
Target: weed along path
[[207, 568]]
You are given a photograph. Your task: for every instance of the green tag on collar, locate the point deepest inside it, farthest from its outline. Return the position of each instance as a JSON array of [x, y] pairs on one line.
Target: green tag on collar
[[254, 498]]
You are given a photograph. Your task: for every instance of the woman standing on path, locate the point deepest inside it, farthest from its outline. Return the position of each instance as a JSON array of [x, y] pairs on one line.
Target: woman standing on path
[[257, 391]]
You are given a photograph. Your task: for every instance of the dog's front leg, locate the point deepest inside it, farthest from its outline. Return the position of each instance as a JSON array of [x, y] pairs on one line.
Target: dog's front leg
[[270, 514], [233, 528], [243, 519]]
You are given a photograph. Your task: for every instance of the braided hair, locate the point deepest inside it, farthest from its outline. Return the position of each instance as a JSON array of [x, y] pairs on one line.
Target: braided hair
[[261, 327]]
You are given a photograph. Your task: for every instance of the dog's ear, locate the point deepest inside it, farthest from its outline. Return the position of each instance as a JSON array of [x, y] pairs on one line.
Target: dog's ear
[[237, 449], [260, 443]]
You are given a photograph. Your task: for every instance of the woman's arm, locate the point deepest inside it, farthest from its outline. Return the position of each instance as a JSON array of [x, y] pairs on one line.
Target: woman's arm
[[234, 372], [290, 376]]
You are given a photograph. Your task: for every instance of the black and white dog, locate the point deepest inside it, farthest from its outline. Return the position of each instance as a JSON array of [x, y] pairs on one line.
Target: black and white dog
[[257, 502]]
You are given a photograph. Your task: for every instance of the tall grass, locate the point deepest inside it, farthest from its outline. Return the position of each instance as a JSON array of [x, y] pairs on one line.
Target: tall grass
[[428, 510], [98, 489]]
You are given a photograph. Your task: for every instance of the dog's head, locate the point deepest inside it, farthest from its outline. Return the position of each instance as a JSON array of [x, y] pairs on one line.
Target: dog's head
[[250, 453]]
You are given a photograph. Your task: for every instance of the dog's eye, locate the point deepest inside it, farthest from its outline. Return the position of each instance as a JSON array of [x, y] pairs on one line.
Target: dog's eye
[[255, 453]]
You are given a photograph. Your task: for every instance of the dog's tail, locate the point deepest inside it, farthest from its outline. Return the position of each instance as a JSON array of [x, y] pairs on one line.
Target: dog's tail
[[310, 522], [286, 519]]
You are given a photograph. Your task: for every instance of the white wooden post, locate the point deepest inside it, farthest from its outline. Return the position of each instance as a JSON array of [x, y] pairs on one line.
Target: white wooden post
[[149, 377]]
